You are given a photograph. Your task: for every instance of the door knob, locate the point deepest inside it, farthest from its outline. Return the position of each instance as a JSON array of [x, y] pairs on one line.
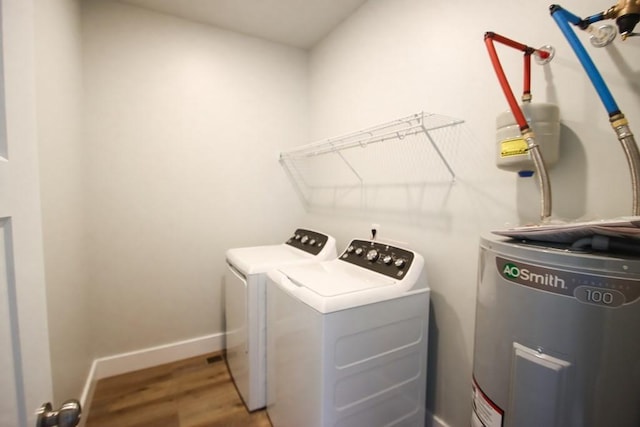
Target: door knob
[[67, 416]]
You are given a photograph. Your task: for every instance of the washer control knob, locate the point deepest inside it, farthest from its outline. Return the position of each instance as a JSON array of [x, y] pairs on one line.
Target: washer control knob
[[304, 239], [400, 262], [372, 255], [387, 259], [297, 237], [312, 242], [359, 251], [350, 249]]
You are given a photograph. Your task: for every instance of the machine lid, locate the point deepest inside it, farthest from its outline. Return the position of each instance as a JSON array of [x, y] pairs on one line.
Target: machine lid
[[335, 285], [297, 249], [328, 279], [260, 259]]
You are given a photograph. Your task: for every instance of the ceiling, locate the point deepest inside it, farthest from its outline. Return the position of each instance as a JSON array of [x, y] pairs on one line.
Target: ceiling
[[298, 23]]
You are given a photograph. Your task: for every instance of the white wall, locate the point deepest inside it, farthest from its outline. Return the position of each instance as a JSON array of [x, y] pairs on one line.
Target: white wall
[[59, 95], [184, 124], [396, 57]]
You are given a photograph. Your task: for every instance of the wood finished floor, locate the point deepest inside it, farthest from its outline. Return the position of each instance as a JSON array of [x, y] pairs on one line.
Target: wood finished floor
[[196, 392]]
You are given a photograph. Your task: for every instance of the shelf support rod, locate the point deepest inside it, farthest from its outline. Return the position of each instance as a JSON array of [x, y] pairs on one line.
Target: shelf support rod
[[435, 147], [346, 162]]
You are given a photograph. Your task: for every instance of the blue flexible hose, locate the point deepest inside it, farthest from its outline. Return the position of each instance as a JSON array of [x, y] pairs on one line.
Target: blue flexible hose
[[563, 18]]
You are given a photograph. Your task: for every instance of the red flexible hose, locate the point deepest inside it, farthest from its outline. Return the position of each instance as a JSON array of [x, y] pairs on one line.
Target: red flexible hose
[[511, 43], [526, 88], [489, 37], [502, 78]]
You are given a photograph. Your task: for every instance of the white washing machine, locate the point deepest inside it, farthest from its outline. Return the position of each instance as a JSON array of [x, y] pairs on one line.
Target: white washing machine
[[245, 305], [347, 340]]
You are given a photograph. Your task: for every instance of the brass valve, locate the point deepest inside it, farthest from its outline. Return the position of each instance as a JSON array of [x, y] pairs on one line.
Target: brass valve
[[627, 15]]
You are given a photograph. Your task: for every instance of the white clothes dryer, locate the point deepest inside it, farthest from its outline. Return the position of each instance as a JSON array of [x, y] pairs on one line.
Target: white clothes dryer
[[245, 305], [347, 340]]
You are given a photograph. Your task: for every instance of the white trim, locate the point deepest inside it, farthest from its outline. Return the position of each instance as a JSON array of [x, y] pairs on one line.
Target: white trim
[[154, 356], [434, 421], [87, 394], [109, 366], [89, 386]]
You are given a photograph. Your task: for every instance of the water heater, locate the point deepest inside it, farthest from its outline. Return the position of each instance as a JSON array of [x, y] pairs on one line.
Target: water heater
[[557, 340]]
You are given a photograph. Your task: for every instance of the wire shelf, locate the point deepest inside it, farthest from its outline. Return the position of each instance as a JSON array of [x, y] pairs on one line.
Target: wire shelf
[[410, 151]]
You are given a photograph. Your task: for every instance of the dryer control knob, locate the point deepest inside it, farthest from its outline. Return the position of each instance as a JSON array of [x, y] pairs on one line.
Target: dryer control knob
[[312, 242], [350, 249], [400, 262], [359, 251], [372, 255], [304, 239], [297, 237], [387, 259]]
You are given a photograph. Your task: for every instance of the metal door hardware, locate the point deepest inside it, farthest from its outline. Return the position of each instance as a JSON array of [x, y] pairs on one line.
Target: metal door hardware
[[67, 416]]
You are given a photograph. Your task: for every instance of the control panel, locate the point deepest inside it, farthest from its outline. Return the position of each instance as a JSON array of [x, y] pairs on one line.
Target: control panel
[[308, 241], [379, 257]]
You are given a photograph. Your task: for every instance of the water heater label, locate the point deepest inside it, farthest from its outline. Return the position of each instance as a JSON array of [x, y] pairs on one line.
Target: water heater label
[[485, 412], [513, 147], [587, 288]]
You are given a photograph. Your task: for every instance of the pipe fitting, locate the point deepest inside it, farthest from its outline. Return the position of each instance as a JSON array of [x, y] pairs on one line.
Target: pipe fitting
[[627, 15]]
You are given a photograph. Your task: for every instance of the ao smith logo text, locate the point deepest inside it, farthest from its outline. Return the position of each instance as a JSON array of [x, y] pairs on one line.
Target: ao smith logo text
[[521, 273], [534, 276], [605, 291]]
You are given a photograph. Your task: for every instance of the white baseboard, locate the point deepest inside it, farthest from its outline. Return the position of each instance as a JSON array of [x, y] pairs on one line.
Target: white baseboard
[[109, 366], [434, 421]]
